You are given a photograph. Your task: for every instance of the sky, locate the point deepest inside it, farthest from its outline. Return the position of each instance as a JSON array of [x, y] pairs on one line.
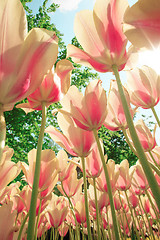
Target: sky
[[63, 19]]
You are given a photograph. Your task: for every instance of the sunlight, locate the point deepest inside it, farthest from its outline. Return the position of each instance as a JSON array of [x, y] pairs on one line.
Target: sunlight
[[151, 59]]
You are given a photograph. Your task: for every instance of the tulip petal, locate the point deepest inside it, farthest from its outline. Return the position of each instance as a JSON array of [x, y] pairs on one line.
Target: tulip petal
[[11, 12], [142, 24], [60, 139]]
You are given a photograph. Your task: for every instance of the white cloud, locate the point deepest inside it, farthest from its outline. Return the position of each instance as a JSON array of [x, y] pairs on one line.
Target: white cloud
[[67, 5]]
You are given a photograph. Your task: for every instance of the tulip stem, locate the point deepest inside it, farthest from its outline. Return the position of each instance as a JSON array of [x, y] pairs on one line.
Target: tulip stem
[[2, 131], [22, 226], [86, 199], [32, 210], [142, 157], [72, 209], [97, 209], [155, 115], [115, 223]]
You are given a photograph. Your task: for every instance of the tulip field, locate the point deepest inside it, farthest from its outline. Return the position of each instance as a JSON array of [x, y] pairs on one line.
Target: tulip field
[[78, 192]]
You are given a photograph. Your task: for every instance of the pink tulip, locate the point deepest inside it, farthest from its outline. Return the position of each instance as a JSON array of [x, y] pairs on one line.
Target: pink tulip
[[82, 108], [125, 176], [93, 163], [79, 209], [142, 26], [57, 211], [25, 58], [54, 85], [75, 140], [115, 119], [71, 185], [147, 140], [113, 175], [65, 167], [7, 222], [102, 198], [133, 199], [8, 169], [48, 171], [139, 179], [143, 86], [100, 34]]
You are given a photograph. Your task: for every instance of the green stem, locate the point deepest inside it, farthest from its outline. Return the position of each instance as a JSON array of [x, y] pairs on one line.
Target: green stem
[[127, 140], [142, 157], [2, 132], [72, 209], [36, 228], [22, 226], [32, 211], [97, 209], [149, 224], [133, 219], [86, 198], [156, 164], [155, 115], [114, 218], [124, 212]]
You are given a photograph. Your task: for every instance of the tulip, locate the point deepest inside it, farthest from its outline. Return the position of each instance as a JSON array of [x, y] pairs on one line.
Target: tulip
[[82, 108], [56, 211], [113, 176], [142, 24], [54, 85], [8, 169], [65, 167], [125, 176], [139, 179], [80, 212], [25, 58], [143, 86], [102, 198], [48, 171], [147, 141], [115, 119], [7, 222], [75, 141], [100, 34], [70, 185]]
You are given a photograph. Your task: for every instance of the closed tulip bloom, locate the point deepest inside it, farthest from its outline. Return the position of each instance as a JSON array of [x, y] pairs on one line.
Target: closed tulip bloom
[[100, 34], [79, 209], [125, 176], [74, 140], [25, 58], [147, 140], [57, 211], [139, 179], [102, 198], [54, 85], [93, 163], [113, 176], [142, 26], [82, 108], [65, 167], [115, 119], [48, 171], [71, 184], [133, 199], [143, 85]]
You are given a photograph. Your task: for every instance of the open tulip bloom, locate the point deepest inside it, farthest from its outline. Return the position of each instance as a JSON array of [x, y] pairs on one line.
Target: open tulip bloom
[[114, 200]]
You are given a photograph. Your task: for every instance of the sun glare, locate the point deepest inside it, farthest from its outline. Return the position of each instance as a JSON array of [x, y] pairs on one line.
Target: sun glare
[[151, 59]]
